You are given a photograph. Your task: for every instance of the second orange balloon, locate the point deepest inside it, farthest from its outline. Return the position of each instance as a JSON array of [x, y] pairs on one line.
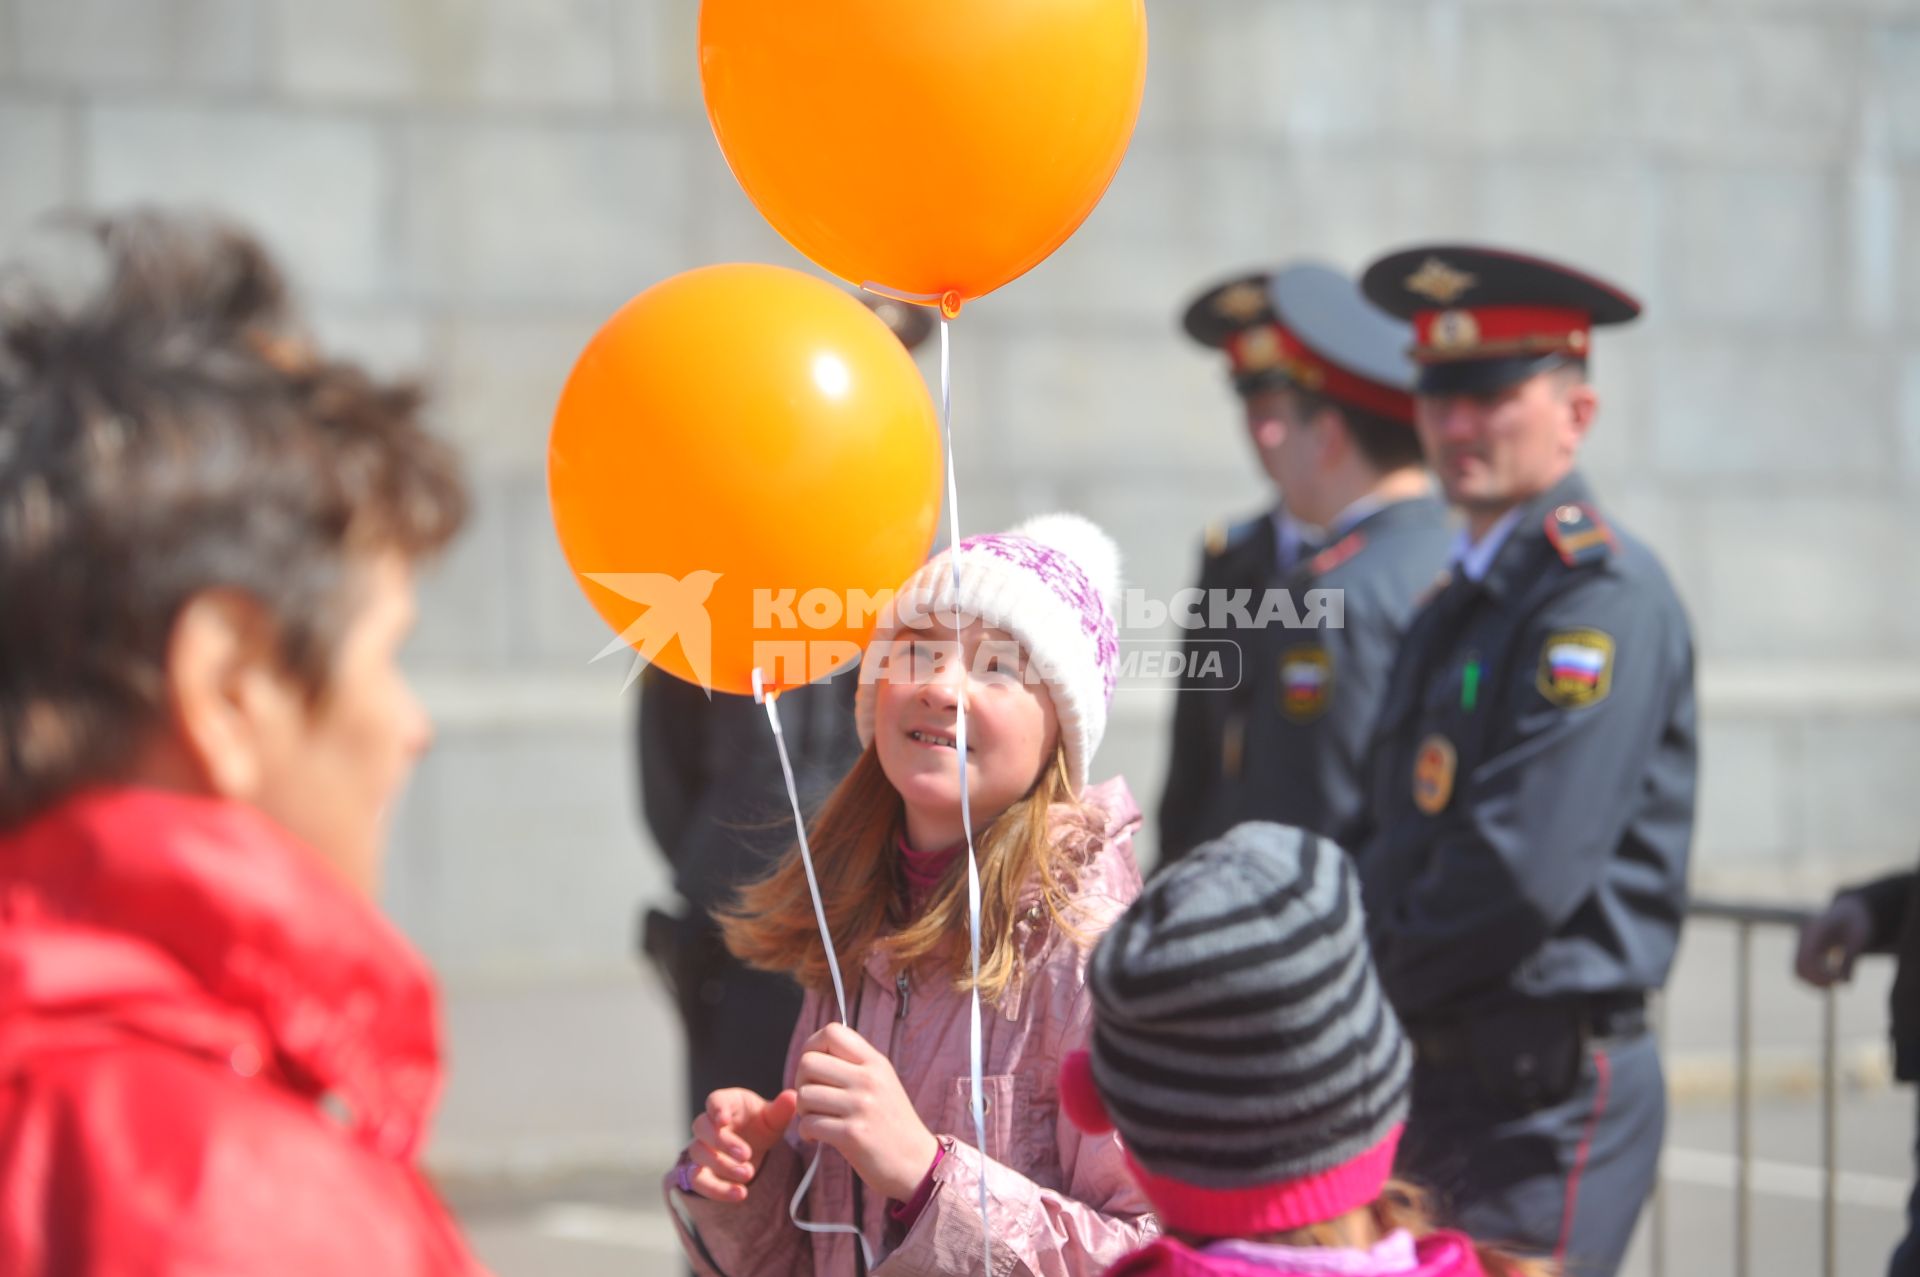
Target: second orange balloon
[[742, 456]]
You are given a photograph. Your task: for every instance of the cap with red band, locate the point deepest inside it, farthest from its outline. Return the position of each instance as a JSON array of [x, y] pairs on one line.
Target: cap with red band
[[1272, 347], [1307, 327], [1484, 318]]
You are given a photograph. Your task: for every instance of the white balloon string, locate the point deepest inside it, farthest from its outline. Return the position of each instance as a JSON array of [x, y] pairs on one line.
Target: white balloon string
[[771, 701], [975, 1048]]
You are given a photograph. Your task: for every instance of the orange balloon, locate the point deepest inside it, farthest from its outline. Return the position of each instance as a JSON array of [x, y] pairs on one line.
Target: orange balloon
[[934, 149], [743, 458]]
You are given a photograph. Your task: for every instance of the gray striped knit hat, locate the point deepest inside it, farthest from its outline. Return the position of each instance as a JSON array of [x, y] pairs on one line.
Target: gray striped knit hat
[[1241, 1043]]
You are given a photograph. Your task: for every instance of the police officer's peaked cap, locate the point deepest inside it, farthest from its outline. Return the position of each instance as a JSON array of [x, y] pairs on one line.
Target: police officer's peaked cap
[[1338, 345], [1485, 318], [1226, 317]]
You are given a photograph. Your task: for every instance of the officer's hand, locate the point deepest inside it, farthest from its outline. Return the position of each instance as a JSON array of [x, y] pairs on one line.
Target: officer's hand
[[851, 1098], [1830, 943], [731, 1138]]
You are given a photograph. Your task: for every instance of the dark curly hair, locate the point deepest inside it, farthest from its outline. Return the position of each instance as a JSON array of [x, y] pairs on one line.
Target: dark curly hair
[[169, 433]]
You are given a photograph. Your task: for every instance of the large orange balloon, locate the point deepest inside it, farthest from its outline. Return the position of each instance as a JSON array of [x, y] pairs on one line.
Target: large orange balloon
[[741, 458], [935, 148]]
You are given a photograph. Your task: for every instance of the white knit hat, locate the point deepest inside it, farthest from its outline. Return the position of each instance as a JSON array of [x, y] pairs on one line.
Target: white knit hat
[[1054, 584]]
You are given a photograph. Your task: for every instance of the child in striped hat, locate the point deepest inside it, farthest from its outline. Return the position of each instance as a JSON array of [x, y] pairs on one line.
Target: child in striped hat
[[1258, 1079]]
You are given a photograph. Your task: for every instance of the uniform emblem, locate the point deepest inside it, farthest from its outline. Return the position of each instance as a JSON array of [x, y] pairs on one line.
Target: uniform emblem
[[1455, 330], [1576, 667], [1433, 767], [1579, 536], [1257, 349], [1306, 683], [1241, 303], [1439, 281]]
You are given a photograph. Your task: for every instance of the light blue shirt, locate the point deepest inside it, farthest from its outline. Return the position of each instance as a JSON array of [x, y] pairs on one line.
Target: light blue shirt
[[1290, 537], [1473, 558]]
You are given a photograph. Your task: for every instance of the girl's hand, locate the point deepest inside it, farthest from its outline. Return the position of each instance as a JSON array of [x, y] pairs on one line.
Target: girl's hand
[[731, 1138], [851, 1099]]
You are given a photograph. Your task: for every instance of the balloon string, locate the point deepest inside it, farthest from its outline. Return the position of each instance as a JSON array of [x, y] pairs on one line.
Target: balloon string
[[771, 701], [975, 1049]]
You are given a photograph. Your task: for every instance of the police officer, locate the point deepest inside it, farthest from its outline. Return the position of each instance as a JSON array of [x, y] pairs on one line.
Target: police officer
[[715, 801], [1350, 462], [1532, 778], [1213, 701]]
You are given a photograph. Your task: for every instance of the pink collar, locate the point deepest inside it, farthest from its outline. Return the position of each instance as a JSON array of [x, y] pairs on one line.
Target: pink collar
[[923, 870]]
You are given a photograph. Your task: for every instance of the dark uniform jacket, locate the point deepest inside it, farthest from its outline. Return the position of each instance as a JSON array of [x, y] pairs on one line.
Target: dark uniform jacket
[[1896, 931], [710, 778], [1316, 692], [716, 802], [1210, 712], [1533, 776]]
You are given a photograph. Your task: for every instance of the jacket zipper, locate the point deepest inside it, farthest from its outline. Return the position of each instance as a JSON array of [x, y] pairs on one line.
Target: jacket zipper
[[859, 1186], [904, 988]]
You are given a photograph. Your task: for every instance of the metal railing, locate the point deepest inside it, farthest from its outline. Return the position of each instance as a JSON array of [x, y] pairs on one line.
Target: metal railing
[[1746, 919]]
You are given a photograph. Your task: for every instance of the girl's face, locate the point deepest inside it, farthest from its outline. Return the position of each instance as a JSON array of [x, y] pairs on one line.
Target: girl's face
[[1012, 729]]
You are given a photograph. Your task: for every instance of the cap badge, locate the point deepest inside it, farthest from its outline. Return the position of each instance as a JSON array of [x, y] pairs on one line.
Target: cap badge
[[1242, 302], [1259, 350], [1439, 281], [1455, 330]]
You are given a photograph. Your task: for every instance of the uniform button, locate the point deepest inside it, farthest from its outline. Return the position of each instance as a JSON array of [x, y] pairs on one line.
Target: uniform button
[[1568, 514], [1526, 1065], [245, 1060]]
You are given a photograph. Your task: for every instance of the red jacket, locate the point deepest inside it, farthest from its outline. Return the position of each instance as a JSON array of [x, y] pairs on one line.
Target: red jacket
[[180, 985]]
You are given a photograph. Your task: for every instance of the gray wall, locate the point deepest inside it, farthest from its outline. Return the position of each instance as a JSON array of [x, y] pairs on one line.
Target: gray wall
[[470, 186]]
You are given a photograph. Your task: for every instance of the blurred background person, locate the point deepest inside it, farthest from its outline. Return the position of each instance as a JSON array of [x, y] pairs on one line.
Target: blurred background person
[[1350, 457], [1212, 708], [1877, 917], [209, 531]]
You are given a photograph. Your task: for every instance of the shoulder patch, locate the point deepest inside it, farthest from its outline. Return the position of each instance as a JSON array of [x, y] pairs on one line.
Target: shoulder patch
[[1222, 537], [1576, 667], [1337, 553], [1306, 683], [1579, 535]]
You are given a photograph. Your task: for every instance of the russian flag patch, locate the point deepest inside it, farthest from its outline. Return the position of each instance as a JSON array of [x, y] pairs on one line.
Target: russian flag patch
[[1576, 667]]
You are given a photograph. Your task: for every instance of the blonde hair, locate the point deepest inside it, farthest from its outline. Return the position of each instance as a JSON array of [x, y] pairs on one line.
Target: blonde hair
[[1402, 1205], [1034, 845]]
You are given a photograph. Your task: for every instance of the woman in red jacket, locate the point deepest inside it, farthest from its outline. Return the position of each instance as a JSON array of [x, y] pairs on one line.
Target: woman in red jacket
[[207, 537]]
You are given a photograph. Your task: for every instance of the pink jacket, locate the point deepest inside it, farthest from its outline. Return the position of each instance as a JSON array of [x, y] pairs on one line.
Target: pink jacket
[[1439, 1254], [1060, 1202]]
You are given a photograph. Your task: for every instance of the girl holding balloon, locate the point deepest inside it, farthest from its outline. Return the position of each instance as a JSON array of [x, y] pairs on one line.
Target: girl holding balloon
[[1025, 641]]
